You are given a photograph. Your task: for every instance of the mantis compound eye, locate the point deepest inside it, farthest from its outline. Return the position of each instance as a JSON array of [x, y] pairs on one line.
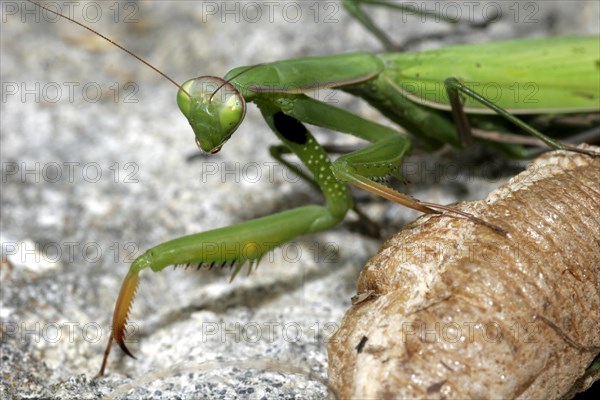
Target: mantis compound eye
[[214, 109]]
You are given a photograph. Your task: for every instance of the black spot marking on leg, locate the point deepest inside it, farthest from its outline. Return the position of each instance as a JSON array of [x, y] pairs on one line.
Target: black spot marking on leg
[[290, 128]]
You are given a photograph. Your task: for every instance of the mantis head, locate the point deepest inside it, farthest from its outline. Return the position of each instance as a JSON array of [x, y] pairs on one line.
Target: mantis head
[[214, 108]]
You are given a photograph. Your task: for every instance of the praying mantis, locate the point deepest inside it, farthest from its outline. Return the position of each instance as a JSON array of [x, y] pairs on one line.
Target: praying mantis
[[283, 108]]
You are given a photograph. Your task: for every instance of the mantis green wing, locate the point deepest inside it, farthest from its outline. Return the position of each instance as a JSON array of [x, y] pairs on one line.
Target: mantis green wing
[[531, 76]]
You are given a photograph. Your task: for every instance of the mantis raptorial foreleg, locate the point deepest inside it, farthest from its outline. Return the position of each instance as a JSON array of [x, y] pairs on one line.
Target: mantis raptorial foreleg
[[368, 226], [363, 167], [381, 159], [278, 152], [247, 242]]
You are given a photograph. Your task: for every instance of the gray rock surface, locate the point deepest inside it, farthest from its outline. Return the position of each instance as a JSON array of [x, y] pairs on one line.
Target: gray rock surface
[[89, 182]]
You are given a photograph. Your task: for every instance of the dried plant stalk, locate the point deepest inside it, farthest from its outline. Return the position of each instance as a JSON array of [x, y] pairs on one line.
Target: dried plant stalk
[[451, 309]]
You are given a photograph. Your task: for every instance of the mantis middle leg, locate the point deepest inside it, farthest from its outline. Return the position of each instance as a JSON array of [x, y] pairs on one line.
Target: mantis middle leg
[[454, 87], [354, 8]]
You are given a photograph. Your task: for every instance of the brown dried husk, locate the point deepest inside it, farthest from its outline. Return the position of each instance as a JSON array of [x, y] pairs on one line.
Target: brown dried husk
[[451, 309]]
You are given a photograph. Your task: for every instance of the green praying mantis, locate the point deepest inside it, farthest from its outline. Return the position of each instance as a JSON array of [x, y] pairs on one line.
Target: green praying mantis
[[429, 94]]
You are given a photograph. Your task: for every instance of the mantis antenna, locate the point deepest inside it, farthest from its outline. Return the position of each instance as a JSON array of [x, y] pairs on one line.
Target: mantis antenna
[[131, 53]]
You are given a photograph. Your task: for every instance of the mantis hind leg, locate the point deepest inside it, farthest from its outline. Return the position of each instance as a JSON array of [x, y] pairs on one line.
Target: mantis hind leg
[[454, 87], [353, 7]]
